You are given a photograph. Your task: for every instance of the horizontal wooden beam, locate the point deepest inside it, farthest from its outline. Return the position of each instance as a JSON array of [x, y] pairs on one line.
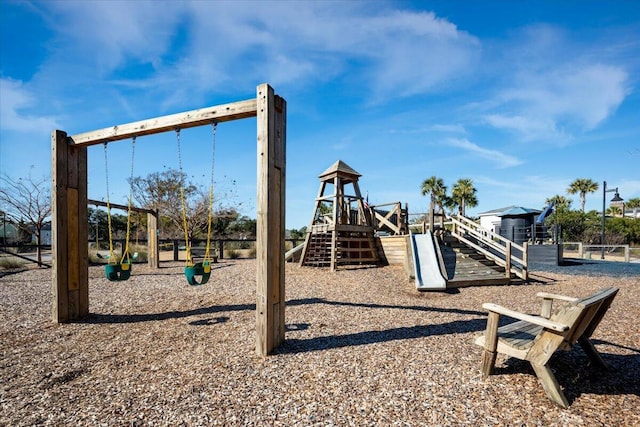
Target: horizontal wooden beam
[[123, 207], [189, 119]]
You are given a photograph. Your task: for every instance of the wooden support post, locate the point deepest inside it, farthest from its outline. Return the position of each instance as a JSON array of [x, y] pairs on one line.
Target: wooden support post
[[490, 344], [176, 250], [153, 253], [69, 226], [432, 209], [525, 261], [270, 292], [507, 260]]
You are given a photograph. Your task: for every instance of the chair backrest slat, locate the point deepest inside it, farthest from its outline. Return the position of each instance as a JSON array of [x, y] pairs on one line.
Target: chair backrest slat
[[582, 317], [595, 306]]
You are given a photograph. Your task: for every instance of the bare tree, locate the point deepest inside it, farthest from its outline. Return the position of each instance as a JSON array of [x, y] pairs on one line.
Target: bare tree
[[27, 202]]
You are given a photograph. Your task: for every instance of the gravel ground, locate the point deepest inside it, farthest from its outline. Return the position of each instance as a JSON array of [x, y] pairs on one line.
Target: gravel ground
[[362, 348]]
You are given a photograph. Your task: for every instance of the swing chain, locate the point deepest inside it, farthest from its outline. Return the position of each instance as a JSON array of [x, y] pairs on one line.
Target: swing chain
[[207, 251], [189, 260], [125, 253]]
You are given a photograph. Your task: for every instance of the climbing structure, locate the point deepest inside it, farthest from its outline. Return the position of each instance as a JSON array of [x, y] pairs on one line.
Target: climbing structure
[[341, 230]]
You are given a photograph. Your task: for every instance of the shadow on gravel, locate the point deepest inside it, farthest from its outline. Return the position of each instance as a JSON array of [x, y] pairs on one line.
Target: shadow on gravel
[[307, 301], [371, 337], [154, 317], [577, 376], [4, 273]]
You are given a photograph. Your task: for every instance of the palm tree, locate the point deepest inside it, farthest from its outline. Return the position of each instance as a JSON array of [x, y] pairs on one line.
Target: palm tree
[[463, 194], [558, 201], [582, 186], [614, 210], [435, 186], [634, 204]]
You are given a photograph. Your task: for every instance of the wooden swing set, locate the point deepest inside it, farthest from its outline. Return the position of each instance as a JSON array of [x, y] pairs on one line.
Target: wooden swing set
[[70, 276]]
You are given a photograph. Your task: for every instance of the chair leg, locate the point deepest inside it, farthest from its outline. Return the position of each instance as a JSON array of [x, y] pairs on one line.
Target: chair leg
[[592, 353], [550, 384], [488, 362], [490, 344]]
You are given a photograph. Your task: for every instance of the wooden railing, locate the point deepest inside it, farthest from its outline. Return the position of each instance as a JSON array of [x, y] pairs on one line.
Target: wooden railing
[[395, 219], [504, 252]]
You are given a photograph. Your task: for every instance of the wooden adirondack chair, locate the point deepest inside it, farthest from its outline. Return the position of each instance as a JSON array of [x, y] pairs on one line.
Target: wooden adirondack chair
[[536, 338]]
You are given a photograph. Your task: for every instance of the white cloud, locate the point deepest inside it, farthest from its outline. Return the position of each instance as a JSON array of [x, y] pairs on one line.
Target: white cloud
[[502, 160], [111, 33], [15, 102], [553, 89], [579, 97], [196, 46]]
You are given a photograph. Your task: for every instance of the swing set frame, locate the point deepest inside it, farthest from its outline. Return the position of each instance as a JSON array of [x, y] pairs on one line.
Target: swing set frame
[[70, 272]]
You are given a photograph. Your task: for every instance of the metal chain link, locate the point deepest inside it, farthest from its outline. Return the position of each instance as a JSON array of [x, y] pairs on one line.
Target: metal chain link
[[207, 252], [106, 174], [125, 253], [189, 260]]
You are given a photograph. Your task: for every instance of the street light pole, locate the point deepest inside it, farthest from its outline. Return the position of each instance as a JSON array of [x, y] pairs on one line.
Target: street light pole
[[616, 198]]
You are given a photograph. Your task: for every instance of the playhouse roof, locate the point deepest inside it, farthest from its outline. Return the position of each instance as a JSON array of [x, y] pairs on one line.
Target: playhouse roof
[[518, 210], [496, 211], [511, 211], [340, 168]]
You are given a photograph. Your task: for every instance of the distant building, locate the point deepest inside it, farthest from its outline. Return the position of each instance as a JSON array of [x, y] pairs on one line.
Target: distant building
[[511, 222], [490, 220]]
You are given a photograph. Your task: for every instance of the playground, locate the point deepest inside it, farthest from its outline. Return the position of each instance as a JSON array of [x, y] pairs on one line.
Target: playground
[[362, 347], [137, 344]]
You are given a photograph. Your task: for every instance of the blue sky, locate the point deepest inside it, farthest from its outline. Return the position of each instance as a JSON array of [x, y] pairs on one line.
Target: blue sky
[[522, 97]]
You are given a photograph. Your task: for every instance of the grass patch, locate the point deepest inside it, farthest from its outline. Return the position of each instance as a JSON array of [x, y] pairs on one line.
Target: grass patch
[[10, 262], [233, 254]]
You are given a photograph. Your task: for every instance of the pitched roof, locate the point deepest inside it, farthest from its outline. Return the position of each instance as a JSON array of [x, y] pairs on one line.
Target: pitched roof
[[518, 210], [511, 211], [340, 167], [496, 211]]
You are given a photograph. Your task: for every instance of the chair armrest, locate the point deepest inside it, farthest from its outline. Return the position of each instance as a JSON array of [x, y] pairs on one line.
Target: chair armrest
[[536, 320], [547, 302], [547, 295]]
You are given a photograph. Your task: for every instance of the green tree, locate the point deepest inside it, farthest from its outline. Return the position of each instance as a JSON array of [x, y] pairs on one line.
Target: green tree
[[614, 211], [435, 187], [243, 227], [634, 204], [222, 221], [582, 186], [559, 201], [299, 234], [572, 223], [162, 191], [463, 194]]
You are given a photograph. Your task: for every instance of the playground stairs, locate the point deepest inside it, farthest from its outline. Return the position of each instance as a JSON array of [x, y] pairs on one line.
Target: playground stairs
[[466, 266], [352, 248], [318, 253]]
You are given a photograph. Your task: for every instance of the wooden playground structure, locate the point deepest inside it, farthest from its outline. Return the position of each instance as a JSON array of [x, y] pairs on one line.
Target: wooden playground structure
[[341, 230], [69, 206], [345, 231]]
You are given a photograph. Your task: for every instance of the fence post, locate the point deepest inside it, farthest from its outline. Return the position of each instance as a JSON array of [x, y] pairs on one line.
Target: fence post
[[580, 250], [525, 261], [507, 255], [626, 253], [175, 250]]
